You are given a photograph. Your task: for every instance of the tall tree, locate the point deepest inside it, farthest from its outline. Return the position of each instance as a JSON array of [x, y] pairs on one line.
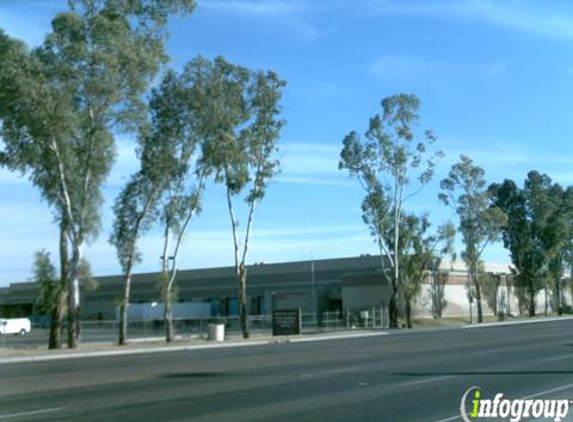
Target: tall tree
[[165, 151], [536, 233], [419, 248], [61, 102], [241, 126], [179, 124], [391, 168], [465, 191], [181, 204]]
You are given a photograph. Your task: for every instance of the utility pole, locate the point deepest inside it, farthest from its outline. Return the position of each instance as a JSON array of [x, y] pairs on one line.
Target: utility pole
[[314, 304]]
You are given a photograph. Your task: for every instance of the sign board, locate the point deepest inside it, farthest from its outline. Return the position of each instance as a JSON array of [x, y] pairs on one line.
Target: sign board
[[287, 322]]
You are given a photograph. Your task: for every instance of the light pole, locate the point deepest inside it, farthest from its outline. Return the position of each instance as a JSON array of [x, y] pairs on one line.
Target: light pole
[[314, 304]]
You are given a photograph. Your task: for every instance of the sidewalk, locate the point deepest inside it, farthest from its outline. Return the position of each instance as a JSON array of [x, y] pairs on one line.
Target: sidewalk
[[156, 345]]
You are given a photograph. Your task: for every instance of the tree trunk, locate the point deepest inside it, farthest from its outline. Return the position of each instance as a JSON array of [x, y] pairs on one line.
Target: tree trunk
[[243, 298], [55, 339], [531, 303], [478, 302], [74, 299], [123, 308], [559, 301], [408, 311], [168, 317], [393, 309]]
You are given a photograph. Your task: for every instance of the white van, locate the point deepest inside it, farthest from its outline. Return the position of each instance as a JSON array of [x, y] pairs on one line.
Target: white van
[[15, 326]]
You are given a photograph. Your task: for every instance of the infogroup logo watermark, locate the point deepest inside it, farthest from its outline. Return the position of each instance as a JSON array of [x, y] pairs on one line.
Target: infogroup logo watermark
[[474, 407]]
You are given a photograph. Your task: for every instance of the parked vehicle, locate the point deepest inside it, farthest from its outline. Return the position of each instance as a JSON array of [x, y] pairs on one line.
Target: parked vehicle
[[19, 326]]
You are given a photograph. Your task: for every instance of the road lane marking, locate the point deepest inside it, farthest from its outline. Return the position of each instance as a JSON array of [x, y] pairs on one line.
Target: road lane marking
[[453, 418], [553, 390], [490, 351], [32, 413], [332, 372], [531, 396], [425, 381], [558, 358]]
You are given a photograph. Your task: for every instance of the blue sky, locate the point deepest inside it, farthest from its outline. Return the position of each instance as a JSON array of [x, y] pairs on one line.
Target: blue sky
[[494, 79]]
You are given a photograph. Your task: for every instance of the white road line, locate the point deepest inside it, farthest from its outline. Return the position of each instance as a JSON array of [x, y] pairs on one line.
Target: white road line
[[490, 351], [32, 413], [531, 396], [558, 358], [453, 418], [332, 372], [407, 384], [337, 337], [553, 390]]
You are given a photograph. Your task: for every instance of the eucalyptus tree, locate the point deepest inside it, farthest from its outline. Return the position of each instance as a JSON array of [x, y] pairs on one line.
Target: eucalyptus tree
[[464, 190], [537, 233], [63, 101], [135, 210], [392, 166], [419, 248], [173, 176], [169, 184], [240, 128]]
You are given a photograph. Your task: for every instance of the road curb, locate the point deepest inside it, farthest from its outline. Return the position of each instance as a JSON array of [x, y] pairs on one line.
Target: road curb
[[525, 321], [163, 349]]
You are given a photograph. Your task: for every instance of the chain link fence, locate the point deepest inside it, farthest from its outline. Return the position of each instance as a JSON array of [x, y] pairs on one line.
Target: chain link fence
[[107, 331]]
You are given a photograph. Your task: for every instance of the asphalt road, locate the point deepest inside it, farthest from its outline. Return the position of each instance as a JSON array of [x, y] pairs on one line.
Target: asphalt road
[[398, 377]]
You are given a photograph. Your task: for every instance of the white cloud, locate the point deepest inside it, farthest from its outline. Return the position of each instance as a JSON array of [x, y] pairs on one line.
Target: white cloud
[[399, 67], [309, 158], [316, 181], [312, 164], [500, 152], [273, 8], [532, 17], [293, 14], [403, 67]]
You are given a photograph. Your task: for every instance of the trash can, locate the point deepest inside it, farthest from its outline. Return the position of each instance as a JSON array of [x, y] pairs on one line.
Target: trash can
[[365, 316], [217, 332]]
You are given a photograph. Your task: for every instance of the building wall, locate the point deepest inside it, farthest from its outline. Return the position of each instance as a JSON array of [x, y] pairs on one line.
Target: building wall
[[324, 285]]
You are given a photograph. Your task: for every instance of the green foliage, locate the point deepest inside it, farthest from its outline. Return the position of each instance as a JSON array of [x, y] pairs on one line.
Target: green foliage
[[239, 123], [62, 102], [385, 160], [490, 284], [44, 273], [87, 283], [419, 248], [537, 233], [391, 167], [479, 223], [237, 119]]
